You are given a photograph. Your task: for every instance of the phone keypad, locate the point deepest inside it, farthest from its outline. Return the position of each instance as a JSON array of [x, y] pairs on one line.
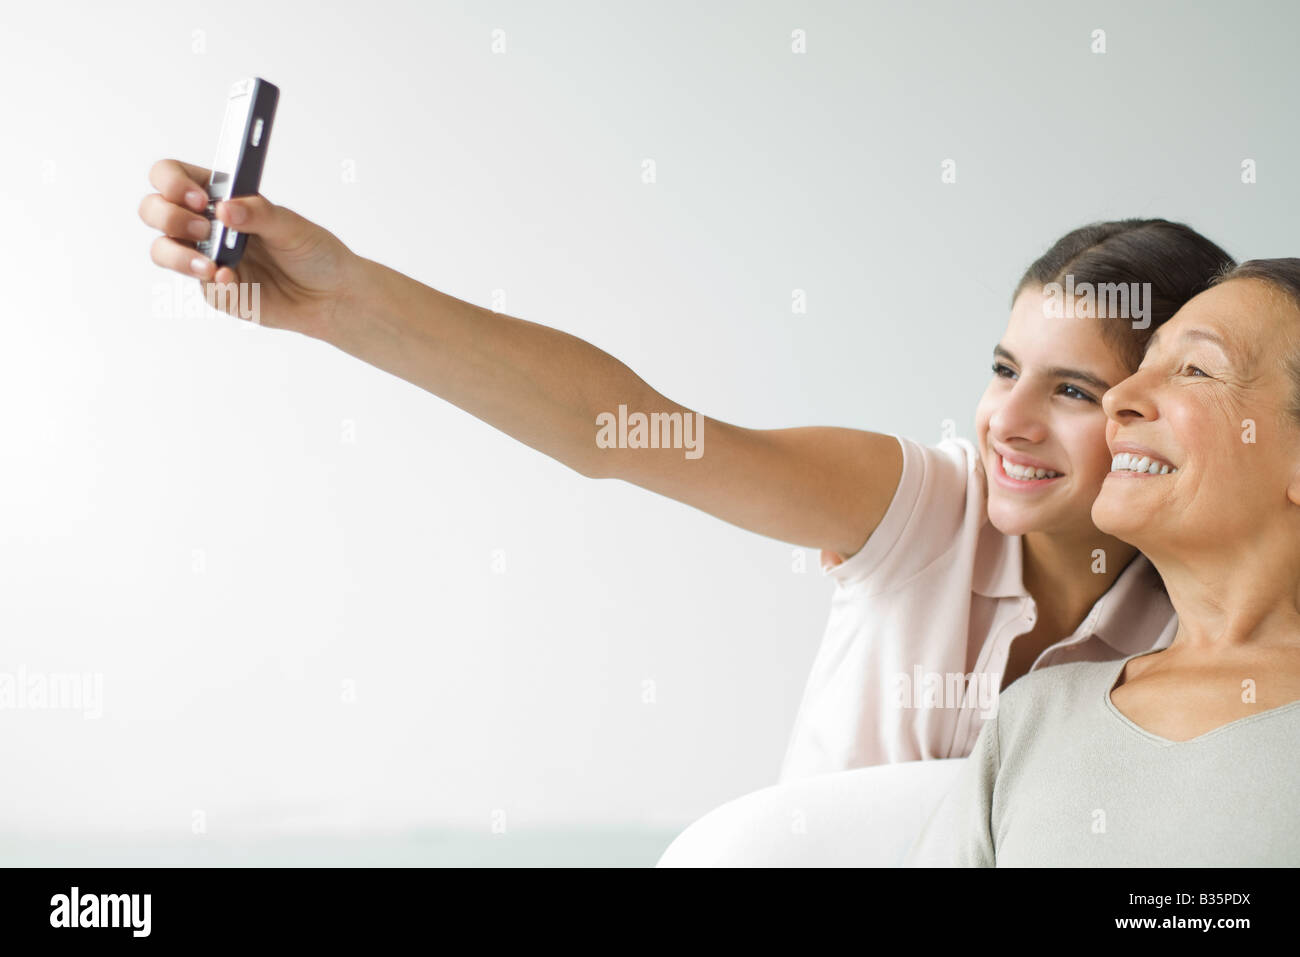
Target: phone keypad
[[208, 247]]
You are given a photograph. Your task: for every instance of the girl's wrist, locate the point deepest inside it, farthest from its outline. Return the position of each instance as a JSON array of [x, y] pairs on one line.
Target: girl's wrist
[[359, 301]]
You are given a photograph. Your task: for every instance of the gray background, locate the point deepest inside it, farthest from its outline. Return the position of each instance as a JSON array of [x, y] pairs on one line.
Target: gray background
[[135, 437]]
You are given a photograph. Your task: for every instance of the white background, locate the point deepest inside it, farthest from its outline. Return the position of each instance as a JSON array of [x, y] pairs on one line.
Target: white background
[[134, 438]]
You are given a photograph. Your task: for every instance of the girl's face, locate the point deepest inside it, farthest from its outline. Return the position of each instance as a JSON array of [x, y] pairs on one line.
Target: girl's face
[[1040, 427]]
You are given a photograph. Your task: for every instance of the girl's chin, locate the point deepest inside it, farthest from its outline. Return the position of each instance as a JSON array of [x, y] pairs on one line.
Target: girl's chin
[[1016, 519]]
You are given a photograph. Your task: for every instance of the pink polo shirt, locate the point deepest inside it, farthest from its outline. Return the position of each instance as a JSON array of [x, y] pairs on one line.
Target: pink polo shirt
[[922, 621]]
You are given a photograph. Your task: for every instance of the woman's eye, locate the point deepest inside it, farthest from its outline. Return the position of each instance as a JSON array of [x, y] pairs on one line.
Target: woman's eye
[[1001, 370], [1192, 370]]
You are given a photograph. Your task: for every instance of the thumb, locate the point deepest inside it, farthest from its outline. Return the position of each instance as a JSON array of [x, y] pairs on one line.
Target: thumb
[[279, 227]]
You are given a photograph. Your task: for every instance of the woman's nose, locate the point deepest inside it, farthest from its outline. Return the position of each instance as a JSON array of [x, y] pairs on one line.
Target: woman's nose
[[1128, 398]]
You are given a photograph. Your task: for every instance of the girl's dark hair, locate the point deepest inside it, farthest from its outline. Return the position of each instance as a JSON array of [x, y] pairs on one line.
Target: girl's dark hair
[[1283, 275], [1175, 259]]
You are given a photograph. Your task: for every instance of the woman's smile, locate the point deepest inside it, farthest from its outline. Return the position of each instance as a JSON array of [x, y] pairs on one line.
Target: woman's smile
[[1134, 461]]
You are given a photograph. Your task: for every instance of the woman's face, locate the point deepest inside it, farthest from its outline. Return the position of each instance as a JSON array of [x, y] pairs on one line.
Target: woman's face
[[1209, 400], [1042, 411]]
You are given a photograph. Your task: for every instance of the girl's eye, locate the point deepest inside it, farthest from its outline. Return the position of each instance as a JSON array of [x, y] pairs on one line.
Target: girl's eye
[[1006, 372], [1077, 393]]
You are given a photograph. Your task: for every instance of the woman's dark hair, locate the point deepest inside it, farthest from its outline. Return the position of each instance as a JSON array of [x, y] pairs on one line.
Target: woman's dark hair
[[1283, 275], [1175, 259]]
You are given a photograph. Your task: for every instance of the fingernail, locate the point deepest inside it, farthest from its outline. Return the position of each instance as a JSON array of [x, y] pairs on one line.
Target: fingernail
[[199, 228], [199, 265], [196, 199], [237, 213]]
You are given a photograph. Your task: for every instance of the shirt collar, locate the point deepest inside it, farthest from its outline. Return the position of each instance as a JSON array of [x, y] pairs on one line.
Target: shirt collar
[[1133, 610], [998, 564]]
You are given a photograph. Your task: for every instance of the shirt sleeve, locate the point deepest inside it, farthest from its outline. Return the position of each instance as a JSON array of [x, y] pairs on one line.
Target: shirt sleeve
[[940, 489], [960, 831]]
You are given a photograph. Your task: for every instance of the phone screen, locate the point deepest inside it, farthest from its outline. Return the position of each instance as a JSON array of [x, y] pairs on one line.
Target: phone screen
[[232, 135]]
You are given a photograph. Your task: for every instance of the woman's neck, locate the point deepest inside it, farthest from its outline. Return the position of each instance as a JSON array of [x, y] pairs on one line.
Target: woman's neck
[[1228, 599], [1066, 574]]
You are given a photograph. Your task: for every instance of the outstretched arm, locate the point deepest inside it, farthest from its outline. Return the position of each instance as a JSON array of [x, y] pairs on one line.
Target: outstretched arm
[[815, 487]]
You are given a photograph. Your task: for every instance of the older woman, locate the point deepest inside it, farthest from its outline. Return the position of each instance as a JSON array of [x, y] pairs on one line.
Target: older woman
[[1185, 755]]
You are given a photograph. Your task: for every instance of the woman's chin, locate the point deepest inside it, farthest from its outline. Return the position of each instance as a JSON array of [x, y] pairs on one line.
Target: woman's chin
[[1117, 521]]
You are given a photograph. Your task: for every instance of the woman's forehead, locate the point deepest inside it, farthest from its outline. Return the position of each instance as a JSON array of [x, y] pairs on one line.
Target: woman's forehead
[[1245, 317]]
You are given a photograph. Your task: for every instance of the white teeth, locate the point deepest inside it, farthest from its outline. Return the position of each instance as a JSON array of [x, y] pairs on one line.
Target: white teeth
[[1127, 462], [1026, 474]]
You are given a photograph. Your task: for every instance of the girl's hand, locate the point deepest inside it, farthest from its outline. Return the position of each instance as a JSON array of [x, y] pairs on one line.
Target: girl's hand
[[303, 270]]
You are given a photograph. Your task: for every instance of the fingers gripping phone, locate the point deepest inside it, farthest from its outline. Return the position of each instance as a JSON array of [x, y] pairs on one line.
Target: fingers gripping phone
[[237, 170]]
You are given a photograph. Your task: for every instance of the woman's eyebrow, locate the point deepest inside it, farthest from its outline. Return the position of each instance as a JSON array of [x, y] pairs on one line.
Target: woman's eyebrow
[[1061, 372], [1203, 335]]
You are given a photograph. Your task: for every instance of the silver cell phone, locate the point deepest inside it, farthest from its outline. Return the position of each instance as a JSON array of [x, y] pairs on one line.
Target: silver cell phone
[[241, 154]]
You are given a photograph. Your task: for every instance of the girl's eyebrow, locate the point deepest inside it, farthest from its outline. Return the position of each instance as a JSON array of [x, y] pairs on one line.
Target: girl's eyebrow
[[1060, 372]]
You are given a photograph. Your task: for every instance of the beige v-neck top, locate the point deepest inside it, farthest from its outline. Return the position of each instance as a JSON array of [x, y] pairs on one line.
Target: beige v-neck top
[[923, 618], [1062, 778]]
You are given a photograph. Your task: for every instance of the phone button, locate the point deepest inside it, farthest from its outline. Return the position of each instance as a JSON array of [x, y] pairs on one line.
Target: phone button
[[257, 131], [231, 238]]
